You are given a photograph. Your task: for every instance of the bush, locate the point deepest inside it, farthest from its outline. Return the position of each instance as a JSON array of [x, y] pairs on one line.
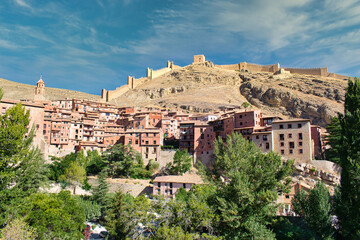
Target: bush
[[152, 165], [140, 173]]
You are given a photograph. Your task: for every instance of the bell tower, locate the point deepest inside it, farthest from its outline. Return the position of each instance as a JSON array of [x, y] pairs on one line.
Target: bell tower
[[40, 89]]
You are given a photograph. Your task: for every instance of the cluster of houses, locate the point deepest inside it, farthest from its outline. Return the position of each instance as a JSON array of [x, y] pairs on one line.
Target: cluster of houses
[[68, 125]]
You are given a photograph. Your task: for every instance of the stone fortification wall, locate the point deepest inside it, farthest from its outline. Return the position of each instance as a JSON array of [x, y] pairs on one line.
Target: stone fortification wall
[[251, 67], [340, 77], [229, 67], [109, 95], [156, 73], [260, 68], [133, 83], [309, 71], [151, 74]]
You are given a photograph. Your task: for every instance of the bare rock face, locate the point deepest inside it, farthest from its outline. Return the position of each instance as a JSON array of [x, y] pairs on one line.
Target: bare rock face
[[202, 87]]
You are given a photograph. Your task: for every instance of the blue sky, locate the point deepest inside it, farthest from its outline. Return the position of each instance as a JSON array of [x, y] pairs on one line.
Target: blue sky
[[88, 45]]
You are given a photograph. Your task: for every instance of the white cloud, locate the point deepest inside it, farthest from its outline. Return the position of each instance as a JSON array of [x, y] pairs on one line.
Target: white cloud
[[8, 45], [22, 3]]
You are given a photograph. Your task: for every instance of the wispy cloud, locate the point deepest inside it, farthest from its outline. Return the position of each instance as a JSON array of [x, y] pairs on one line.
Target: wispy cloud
[[23, 3]]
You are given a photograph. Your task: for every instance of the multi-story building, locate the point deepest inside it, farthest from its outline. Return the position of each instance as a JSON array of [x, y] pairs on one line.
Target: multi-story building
[[168, 185], [292, 139], [148, 142], [170, 128]]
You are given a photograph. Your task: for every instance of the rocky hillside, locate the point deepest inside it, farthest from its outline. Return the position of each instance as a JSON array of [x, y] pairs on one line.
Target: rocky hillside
[[204, 88], [17, 91]]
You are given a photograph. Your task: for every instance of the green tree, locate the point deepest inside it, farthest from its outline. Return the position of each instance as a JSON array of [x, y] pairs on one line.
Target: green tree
[[31, 173], [13, 143], [181, 164], [95, 162], [315, 208], [348, 197], [246, 203], [127, 216], [120, 160], [246, 105], [101, 193], [74, 175], [55, 216], [333, 139], [18, 229]]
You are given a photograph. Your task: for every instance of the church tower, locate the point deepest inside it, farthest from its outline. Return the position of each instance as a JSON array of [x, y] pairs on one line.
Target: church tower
[[40, 89]]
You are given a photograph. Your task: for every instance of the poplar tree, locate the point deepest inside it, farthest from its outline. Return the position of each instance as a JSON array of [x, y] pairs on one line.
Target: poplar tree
[[348, 197]]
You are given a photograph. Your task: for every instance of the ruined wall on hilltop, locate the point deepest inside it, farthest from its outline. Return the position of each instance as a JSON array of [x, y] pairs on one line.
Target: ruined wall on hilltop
[[260, 68], [229, 67], [133, 82], [339, 77], [251, 67], [309, 71]]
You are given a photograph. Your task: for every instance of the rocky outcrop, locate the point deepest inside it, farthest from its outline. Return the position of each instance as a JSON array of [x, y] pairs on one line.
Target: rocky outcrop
[[201, 87], [276, 97]]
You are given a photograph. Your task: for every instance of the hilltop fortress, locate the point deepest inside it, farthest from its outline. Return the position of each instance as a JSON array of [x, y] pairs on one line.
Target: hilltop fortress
[[108, 95]]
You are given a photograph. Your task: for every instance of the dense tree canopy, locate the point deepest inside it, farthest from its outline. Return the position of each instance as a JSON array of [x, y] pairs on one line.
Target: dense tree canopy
[[315, 208], [247, 202]]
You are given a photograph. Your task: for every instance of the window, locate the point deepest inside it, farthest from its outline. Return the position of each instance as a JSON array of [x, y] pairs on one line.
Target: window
[[202, 136], [146, 142], [291, 145], [281, 144], [282, 137], [158, 184], [290, 135], [154, 141], [147, 134], [201, 130], [265, 137], [287, 196], [291, 151], [267, 145], [184, 185], [170, 185], [300, 143], [300, 136], [136, 141], [299, 125], [282, 152], [281, 126], [170, 192], [257, 137], [289, 125], [240, 116], [241, 123], [300, 151]]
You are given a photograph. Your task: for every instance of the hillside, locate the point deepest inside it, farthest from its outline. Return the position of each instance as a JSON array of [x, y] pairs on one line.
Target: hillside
[[17, 91], [202, 87]]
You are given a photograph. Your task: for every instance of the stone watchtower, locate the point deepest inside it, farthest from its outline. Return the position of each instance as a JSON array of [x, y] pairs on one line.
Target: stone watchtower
[[199, 58], [39, 89]]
